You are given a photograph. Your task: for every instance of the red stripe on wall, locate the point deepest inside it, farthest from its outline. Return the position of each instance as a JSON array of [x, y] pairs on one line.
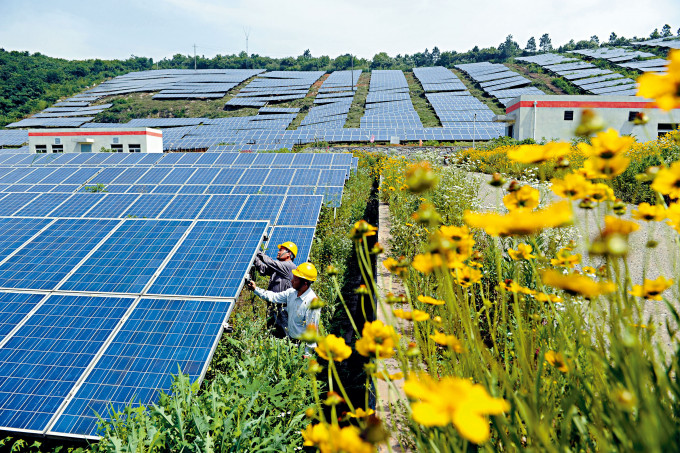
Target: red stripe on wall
[[85, 133], [583, 104]]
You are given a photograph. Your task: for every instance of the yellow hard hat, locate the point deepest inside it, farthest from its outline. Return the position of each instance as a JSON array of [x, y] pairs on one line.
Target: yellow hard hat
[[306, 271], [290, 246]]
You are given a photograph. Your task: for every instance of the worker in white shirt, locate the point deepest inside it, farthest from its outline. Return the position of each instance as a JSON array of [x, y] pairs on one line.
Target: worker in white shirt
[[297, 300]]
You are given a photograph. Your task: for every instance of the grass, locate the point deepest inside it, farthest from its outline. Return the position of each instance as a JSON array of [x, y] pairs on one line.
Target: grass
[[420, 103], [356, 110], [307, 103], [540, 80], [480, 94]]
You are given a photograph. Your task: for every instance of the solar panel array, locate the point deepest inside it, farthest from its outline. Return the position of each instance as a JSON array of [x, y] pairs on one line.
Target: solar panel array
[[105, 295], [453, 104], [499, 81], [626, 58], [334, 101], [584, 75], [665, 43], [171, 84], [388, 104], [275, 86]]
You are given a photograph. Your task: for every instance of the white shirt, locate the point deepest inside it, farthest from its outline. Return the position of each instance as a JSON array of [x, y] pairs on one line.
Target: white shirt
[[299, 313]]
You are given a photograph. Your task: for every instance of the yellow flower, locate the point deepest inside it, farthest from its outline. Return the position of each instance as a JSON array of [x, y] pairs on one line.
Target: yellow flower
[[524, 198], [333, 439], [651, 289], [601, 192], [577, 284], [614, 225], [377, 340], [565, 259], [534, 154], [427, 262], [385, 376], [468, 276], [673, 214], [453, 401], [667, 181], [515, 287], [420, 177], [360, 413], [647, 212], [556, 359], [430, 300], [333, 348], [449, 341], [571, 186], [455, 233], [399, 268], [523, 252], [415, 315], [543, 297], [598, 167], [664, 88], [606, 145], [521, 222], [362, 228], [589, 270]]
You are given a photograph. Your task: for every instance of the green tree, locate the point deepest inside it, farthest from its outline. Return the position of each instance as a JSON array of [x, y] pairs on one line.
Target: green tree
[[531, 45], [666, 31], [655, 34], [595, 40], [382, 61], [509, 48], [545, 43]]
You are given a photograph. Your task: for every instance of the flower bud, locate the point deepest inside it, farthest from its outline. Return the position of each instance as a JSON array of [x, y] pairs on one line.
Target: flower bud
[[590, 123], [497, 180], [309, 413], [427, 215], [651, 244], [333, 399], [317, 303], [562, 163], [309, 335], [332, 271], [619, 207], [640, 119], [314, 367], [420, 177], [586, 203], [362, 290], [514, 186], [377, 249]]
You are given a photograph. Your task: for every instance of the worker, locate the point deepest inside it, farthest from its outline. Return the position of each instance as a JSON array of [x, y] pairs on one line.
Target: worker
[[296, 300], [281, 274]]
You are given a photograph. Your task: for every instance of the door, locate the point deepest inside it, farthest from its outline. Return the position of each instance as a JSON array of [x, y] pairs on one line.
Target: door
[[85, 147]]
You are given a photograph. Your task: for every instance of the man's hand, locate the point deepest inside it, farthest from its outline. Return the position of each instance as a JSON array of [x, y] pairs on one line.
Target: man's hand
[[251, 285]]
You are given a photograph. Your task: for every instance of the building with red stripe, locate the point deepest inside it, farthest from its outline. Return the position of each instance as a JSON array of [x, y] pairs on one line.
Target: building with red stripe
[[93, 140], [556, 117]]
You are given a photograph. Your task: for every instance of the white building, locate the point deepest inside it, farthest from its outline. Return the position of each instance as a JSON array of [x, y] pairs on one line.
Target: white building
[[556, 117], [92, 140]]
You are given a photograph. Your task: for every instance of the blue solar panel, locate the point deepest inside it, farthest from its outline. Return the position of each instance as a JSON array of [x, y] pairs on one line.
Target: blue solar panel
[[179, 175], [154, 176], [301, 236], [15, 175], [300, 210], [127, 260], [301, 190], [77, 205], [245, 159], [254, 176], [219, 189], [262, 207], [17, 231], [141, 188], [167, 189], [47, 259], [332, 195], [212, 261], [332, 178], [113, 205], [148, 206], [184, 207], [107, 176], [36, 176], [197, 189], [265, 190], [306, 177], [228, 176], [13, 308], [223, 207], [131, 175], [47, 355], [43, 205], [14, 201], [279, 177], [159, 338], [203, 176]]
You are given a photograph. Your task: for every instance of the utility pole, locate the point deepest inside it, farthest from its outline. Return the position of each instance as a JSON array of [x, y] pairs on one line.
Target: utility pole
[[246, 32], [194, 57], [352, 87], [474, 129]]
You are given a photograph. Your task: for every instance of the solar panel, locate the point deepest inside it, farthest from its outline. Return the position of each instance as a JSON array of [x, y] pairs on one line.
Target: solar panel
[[262, 207], [148, 206], [113, 205], [212, 261], [228, 176], [46, 356], [42, 205], [77, 205], [167, 189], [301, 236], [15, 232], [127, 260], [300, 210], [184, 207], [159, 338], [223, 207], [51, 255], [14, 307], [196, 189]]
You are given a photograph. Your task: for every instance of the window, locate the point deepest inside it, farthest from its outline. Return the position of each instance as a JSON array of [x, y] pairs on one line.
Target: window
[[57, 148], [57, 141], [117, 148], [511, 130], [633, 115], [568, 115], [135, 148], [115, 139], [41, 148], [664, 128]]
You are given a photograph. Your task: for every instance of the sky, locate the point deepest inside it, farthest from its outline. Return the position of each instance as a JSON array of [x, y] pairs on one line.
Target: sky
[[117, 29]]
